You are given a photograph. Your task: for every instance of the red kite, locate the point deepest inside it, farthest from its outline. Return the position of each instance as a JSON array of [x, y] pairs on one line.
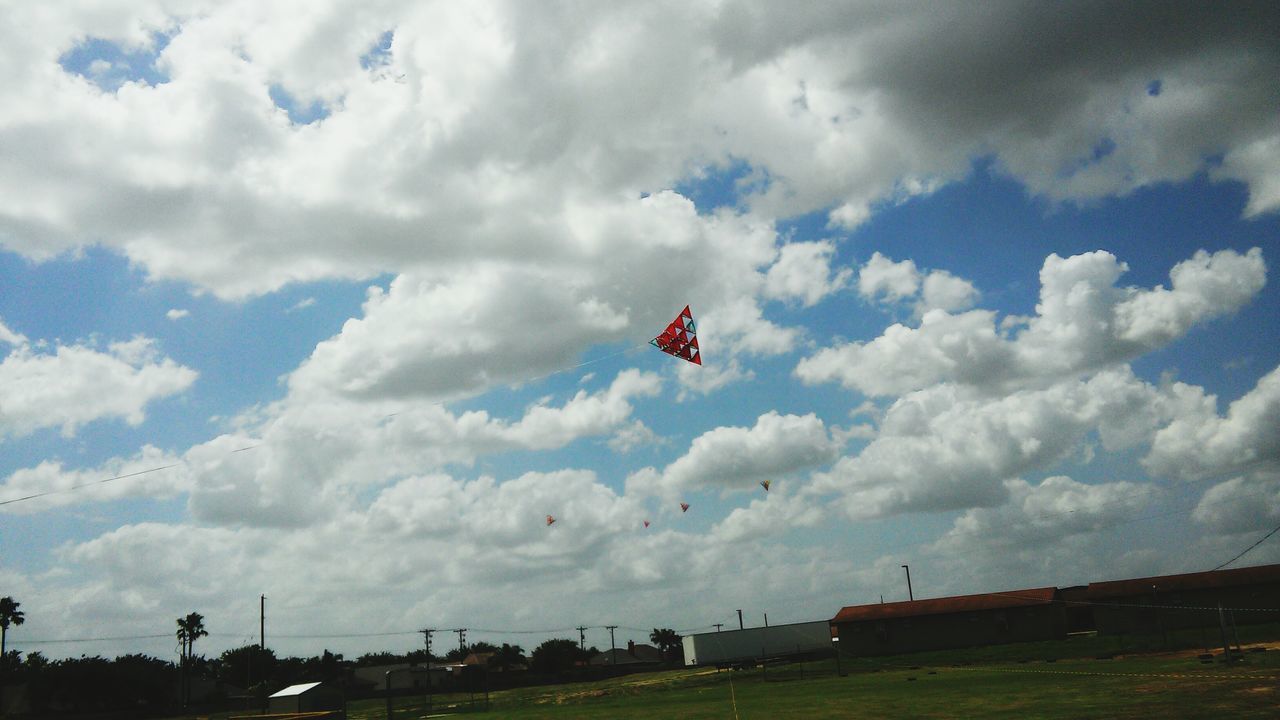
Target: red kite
[[679, 338], [765, 484], [684, 507], [646, 523], [550, 520]]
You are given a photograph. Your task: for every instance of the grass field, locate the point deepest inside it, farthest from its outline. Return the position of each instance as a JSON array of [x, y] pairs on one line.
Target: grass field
[[1065, 679]]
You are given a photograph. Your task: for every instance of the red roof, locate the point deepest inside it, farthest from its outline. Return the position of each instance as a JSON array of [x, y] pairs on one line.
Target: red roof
[[1188, 581], [942, 606]]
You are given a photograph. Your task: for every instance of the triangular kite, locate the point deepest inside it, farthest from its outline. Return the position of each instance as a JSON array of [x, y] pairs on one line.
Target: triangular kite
[[684, 507], [765, 484], [550, 519], [679, 338], [646, 523]]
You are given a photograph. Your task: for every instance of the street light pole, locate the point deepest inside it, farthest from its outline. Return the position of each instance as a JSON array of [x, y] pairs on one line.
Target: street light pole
[[910, 595]]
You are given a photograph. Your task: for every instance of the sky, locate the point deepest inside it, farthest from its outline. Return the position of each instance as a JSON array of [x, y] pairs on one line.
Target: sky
[[334, 302]]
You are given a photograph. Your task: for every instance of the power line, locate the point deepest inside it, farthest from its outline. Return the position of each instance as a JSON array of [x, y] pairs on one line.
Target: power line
[[88, 484], [1246, 550]]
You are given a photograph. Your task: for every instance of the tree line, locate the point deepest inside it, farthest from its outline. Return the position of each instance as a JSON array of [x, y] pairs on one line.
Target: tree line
[[145, 684]]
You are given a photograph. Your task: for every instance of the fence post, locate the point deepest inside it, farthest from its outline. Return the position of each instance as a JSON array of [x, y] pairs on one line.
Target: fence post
[[1222, 624], [388, 684]]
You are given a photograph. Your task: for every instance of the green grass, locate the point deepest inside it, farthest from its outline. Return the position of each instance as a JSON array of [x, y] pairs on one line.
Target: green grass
[[1062, 679]]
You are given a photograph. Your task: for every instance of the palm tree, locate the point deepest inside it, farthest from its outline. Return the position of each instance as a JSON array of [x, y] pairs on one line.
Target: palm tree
[[189, 628], [9, 615]]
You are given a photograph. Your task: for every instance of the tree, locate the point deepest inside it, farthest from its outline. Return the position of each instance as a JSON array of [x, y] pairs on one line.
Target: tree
[[238, 663], [189, 628], [507, 657], [667, 640], [556, 655], [9, 615]]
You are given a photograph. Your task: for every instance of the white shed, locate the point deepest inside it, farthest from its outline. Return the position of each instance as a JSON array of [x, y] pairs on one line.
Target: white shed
[[307, 697]]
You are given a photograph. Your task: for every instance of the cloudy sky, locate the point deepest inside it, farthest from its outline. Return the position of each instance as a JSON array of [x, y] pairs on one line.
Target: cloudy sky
[[349, 296]]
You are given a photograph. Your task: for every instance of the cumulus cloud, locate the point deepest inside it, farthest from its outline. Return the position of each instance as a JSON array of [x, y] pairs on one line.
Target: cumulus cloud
[[151, 473], [76, 384], [945, 448], [1200, 443], [803, 272], [890, 282], [499, 125], [771, 517], [301, 462], [740, 457], [1249, 503], [177, 313], [1040, 532], [884, 279], [1083, 322], [448, 534]]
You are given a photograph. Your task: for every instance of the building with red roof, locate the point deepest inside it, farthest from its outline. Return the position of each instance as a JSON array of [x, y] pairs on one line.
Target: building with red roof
[[950, 622]]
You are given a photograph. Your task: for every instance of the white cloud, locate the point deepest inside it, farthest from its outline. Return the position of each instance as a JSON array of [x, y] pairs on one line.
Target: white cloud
[[1200, 443], [309, 456], [771, 517], [1050, 533], [884, 279], [302, 304], [1249, 503], [803, 271], [1203, 287], [11, 337], [947, 448], [518, 126], [1083, 322], [75, 385], [944, 291], [138, 476], [739, 457], [177, 313]]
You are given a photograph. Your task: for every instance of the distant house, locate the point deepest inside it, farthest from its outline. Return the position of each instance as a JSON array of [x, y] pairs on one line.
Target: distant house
[[634, 654], [307, 697], [1155, 605], [950, 622], [403, 676]]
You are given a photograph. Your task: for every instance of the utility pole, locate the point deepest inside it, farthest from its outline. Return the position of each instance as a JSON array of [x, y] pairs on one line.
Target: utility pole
[[766, 619], [462, 640], [910, 595], [262, 622], [613, 657], [740, 625], [426, 637], [718, 626], [582, 637]]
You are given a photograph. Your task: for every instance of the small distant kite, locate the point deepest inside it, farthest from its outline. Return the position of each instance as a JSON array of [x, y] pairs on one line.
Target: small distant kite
[[646, 523], [550, 519], [679, 338], [684, 507], [765, 484]]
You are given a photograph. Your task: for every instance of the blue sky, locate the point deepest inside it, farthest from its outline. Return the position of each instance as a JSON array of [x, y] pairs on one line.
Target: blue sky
[[379, 300]]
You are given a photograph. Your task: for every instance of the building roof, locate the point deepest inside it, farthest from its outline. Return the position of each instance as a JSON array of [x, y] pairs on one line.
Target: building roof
[[944, 605], [295, 690], [477, 658], [640, 654], [1187, 581]]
